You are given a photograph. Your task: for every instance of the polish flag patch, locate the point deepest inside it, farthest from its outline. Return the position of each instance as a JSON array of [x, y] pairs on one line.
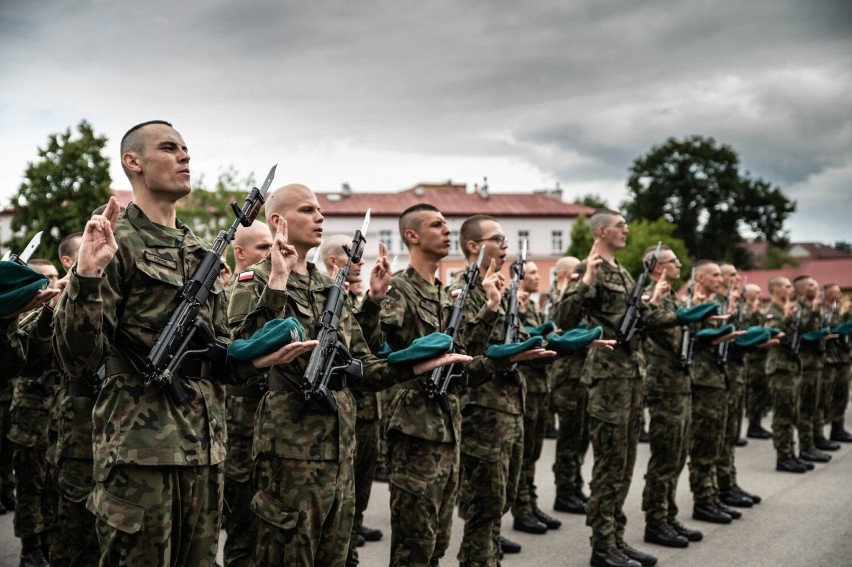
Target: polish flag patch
[[245, 276], [455, 293], [575, 276]]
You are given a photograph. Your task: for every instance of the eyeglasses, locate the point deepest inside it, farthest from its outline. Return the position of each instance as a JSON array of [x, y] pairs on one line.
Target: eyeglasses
[[497, 239], [675, 260]]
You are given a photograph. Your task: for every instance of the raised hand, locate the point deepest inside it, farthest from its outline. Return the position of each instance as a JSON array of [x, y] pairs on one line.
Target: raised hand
[[729, 337], [605, 344], [380, 275], [661, 291], [283, 257], [493, 282], [523, 300], [593, 264], [98, 245]]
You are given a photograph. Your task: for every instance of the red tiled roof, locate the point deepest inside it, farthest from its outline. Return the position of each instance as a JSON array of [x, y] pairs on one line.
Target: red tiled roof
[[834, 271], [124, 196], [452, 200]]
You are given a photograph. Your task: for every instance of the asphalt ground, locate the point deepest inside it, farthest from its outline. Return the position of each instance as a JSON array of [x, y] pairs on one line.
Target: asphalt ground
[[804, 519]]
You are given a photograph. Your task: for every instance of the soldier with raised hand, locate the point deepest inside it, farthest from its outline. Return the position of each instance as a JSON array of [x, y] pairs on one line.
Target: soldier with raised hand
[[758, 399], [838, 369], [305, 498], [157, 464], [669, 400], [251, 245], [528, 517], [602, 295]]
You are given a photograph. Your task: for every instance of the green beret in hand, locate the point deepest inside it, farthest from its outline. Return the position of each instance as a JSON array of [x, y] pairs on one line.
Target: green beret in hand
[[269, 338], [423, 348], [497, 352], [384, 352], [697, 312], [542, 330], [18, 285], [715, 333], [844, 328], [573, 339], [754, 336], [815, 336]]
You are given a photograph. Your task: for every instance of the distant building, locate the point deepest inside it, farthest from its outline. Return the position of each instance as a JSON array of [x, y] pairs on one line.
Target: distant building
[[831, 271]]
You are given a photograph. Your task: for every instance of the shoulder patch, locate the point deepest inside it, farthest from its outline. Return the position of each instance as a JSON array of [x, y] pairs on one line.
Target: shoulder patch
[[575, 276], [245, 276], [455, 293], [646, 298]]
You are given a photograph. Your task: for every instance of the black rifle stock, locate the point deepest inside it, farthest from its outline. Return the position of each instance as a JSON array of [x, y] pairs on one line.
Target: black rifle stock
[[739, 322], [185, 334], [686, 341], [630, 322], [331, 355], [513, 318], [441, 377], [796, 339], [827, 320]]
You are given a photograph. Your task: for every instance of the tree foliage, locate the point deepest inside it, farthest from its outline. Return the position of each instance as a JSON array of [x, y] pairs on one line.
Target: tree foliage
[[581, 238], [697, 184], [594, 201], [60, 190], [645, 234]]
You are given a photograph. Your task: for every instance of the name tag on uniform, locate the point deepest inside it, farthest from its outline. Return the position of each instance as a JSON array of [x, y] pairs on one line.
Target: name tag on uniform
[[160, 261]]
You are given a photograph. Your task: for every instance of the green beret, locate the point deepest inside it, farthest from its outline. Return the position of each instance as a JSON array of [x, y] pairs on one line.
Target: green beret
[[815, 336], [773, 330], [18, 285], [422, 348], [384, 351], [542, 330], [573, 339], [504, 351], [269, 338], [697, 312], [754, 336], [715, 333], [844, 328]]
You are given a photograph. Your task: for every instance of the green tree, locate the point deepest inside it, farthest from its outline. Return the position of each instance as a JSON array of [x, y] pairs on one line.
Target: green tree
[[697, 184], [60, 190], [581, 238], [595, 201], [645, 234]]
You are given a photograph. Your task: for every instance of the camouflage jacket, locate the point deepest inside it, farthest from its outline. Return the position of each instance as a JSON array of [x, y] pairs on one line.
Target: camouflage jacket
[[115, 320], [535, 376], [415, 308], [366, 403], [756, 358], [604, 303], [662, 347], [497, 385], [706, 370], [781, 357], [13, 352], [285, 424], [569, 367]]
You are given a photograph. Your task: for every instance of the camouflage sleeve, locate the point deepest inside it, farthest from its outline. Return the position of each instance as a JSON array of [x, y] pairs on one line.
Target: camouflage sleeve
[[13, 352], [38, 327], [369, 317], [569, 310], [654, 317], [477, 331], [377, 373], [251, 306]]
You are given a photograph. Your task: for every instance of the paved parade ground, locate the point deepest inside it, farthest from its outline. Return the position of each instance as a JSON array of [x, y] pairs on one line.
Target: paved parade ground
[[804, 520]]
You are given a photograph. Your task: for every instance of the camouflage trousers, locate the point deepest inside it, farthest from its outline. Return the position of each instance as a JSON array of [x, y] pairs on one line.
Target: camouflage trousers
[[759, 400], [167, 515], [305, 511], [424, 480], [726, 469], [7, 474], [668, 432], [28, 438], [840, 395], [366, 453], [239, 522], [385, 397], [785, 412], [809, 388], [570, 400], [76, 541], [614, 408], [491, 456], [709, 415], [536, 408]]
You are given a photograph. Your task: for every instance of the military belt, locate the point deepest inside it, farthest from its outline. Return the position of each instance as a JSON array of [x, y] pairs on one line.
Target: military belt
[[277, 382], [80, 390], [190, 368], [252, 391]]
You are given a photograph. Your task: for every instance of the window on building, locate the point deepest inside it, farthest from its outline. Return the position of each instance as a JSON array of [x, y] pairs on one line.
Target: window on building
[[385, 238], [556, 244], [523, 235], [454, 242]]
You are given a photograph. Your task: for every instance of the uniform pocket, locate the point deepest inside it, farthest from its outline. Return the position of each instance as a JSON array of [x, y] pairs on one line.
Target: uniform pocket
[[274, 512], [408, 483], [120, 514]]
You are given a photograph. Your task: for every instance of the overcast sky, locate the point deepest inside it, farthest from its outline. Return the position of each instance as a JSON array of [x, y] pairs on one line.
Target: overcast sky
[[386, 94]]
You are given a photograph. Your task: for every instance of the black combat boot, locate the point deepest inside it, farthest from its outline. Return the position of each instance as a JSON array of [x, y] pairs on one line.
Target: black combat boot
[[370, 534], [824, 444], [814, 455], [612, 557], [569, 502], [528, 523], [790, 464], [688, 533], [644, 559], [733, 498], [838, 433], [664, 534], [710, 513], [546, 519]]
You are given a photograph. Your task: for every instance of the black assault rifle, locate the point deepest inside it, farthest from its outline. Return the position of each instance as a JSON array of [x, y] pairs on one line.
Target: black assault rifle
[[687, 342], [513, 318], [796, 339], [630, 323], [439, 381], [185, 330], [332, 356], [827, 320], [739, 322]]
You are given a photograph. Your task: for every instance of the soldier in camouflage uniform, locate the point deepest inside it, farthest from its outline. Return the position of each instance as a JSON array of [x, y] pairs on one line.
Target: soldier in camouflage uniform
[[528, 517], [758, 400], [783, 370], [813, 360], [251, 245], [157, 465], [669, 398], [838, 364], [305, 498], [601, 293], [423, 437], [492, 415], [832, 350]]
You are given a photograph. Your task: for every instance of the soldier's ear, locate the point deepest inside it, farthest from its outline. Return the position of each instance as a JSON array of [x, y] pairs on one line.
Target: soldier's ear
[[410, 236], [130, 161]]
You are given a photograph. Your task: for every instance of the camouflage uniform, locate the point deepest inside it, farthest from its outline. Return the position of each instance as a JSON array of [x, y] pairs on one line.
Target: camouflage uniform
[[813, 362], [536, 410], [668, 395], [305, 497], [570, 398], [758, 399], [615, 393], [840, 388], [784, 370], [157, 466], [491, 442], [7, 475], [423, 439]]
